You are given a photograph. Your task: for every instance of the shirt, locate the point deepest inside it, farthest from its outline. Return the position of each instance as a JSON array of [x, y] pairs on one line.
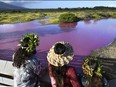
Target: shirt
[[71, 79], [27, 76]]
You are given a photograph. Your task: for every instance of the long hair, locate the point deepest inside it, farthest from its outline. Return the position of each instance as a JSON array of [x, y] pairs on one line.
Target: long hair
[[95, 81], [21, 55], [59, 73]]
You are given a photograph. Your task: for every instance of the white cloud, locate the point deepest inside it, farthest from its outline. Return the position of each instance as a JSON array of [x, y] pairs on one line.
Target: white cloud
[[59, 3]]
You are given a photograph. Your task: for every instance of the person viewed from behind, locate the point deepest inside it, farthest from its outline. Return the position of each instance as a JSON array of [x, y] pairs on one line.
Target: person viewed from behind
[[27, 68], [61, 74], [93, 73]]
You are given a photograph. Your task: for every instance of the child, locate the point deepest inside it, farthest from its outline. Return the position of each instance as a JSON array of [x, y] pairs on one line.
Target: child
[[62, 75], [93, 71], [27, 68]]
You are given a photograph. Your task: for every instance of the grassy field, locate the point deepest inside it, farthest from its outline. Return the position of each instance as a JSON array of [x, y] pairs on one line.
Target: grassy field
[[53, 15], [19, 17]]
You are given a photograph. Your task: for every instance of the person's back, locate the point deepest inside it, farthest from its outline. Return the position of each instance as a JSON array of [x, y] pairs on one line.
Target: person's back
[[70, 77], [93, 71], [61, 74], [26, 76], [27, 69]]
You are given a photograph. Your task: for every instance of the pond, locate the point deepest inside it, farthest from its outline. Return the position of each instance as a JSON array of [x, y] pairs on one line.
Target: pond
[[84, 37]]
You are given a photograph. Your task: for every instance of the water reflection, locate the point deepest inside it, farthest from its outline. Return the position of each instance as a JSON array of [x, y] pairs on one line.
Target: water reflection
[[68, 25], [87, 21], [5, 28]]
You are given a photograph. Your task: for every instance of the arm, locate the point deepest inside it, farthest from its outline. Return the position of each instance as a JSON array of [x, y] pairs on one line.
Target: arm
[[53, 82], [73, 77]]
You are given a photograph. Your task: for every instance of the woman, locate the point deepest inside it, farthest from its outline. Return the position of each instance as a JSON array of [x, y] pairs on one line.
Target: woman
[[62, 75], [94, 73], [27, 69]]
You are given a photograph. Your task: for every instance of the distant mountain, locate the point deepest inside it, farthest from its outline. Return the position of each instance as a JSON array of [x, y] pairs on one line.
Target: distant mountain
[[5, 6]]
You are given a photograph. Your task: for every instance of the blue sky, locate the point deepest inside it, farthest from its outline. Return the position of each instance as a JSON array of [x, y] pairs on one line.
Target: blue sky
[[59, 3]]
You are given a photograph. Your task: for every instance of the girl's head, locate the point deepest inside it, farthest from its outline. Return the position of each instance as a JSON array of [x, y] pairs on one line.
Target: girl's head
[[27, 49], [60, 54], [92, 68], [29, 42]]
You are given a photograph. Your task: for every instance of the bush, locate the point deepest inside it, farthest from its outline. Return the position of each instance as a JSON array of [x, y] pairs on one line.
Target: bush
[[53, 20], [68, 17], [96, 16], [113, 15], [104, 15]]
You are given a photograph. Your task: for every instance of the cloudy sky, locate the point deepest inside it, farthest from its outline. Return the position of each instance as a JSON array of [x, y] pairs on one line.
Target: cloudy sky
[[60, 3]]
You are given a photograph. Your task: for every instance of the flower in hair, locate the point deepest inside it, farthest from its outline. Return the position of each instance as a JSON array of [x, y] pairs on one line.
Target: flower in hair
[[29, 42], [91, 66]]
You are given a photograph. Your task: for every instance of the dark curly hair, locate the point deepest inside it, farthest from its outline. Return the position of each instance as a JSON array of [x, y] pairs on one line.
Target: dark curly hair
[[95, 81], [21, 55]]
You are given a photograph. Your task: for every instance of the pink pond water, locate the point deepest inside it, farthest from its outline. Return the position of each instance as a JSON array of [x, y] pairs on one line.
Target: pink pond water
[[84, 36]]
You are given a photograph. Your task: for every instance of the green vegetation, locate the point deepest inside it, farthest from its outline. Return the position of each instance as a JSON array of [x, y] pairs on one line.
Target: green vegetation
[[56, 15], [31, 44], [19, 17], [53, 20], [68, 17]]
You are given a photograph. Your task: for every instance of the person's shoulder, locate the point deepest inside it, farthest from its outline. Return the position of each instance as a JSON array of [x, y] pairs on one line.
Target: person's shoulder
[[35, 61]]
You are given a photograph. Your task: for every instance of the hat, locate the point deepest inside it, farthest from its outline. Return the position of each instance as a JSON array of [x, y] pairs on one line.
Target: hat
[[91, 65], [29, 42], [60, 59]]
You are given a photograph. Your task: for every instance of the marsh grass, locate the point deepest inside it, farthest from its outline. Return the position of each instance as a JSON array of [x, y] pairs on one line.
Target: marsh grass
[[19, 17], [25, 16]]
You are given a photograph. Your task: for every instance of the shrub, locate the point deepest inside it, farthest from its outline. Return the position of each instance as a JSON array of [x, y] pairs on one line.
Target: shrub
[[96, 16], [68, 17], [42, 15], [113, 15], [53, 20], [104, 15]]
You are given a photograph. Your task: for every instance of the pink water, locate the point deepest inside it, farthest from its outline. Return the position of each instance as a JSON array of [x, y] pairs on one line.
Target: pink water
[[83, 36]]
